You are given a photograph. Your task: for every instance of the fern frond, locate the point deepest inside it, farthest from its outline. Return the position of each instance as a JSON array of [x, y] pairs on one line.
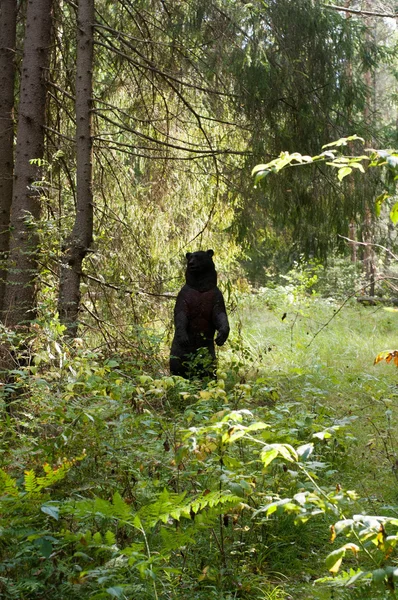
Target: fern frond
[[8, 485], [30, 482]]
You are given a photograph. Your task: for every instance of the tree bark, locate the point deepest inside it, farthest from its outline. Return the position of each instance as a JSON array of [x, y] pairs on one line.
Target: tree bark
[[353, 236], [368, 226], [8, 15], [19, 299], [79, 241]]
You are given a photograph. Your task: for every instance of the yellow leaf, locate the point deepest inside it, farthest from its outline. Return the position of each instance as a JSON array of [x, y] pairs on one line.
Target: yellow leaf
[[333, 534], [353, 547], [381, 536], [336, 566], [388, 357]]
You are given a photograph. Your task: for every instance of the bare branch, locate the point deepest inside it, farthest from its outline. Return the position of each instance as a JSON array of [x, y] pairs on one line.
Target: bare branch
[[365, 13], [370, 244], [119, 288]]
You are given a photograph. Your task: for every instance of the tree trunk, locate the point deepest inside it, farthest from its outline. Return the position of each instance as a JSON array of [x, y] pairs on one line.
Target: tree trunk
[[8, 14], [79, 241], [369, 257], [353, 236], [19, 299]]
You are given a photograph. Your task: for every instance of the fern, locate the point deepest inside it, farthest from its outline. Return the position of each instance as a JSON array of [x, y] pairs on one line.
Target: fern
[[121, 509], [34, 484], [110, 538], [8, 485], [58, 473], [30, 482], [214, 499], [97, 538], [175, 506]]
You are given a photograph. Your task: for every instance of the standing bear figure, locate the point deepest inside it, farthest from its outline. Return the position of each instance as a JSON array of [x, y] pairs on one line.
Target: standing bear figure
[[199, 311]]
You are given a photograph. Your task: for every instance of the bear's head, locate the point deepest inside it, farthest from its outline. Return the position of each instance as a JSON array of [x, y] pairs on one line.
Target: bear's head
[[201, 273]]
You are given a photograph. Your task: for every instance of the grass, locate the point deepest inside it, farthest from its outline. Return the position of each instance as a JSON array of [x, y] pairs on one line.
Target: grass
[[322, 358]]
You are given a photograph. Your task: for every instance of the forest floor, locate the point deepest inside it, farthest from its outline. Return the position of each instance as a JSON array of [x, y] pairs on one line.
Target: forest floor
[[117, 481]]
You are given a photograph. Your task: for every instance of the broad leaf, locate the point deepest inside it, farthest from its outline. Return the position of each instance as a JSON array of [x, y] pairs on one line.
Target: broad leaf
[[343, 172], [394, 213]]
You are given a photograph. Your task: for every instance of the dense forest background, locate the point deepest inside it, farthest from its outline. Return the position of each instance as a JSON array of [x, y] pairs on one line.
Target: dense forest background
[[129, 131], [136, 126]]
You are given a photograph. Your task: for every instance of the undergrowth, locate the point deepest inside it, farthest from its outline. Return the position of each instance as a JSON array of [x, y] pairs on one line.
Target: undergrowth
[[277, 481]]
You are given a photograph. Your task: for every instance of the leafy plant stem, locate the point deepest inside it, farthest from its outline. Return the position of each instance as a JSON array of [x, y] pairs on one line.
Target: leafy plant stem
[[142, 530], [219, 546]]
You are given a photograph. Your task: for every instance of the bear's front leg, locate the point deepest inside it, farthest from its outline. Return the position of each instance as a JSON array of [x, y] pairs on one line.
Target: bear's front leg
[[223, 329], [181, 322], [220, 319]]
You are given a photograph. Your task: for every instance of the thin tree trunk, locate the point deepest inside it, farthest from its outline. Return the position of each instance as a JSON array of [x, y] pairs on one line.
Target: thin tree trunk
[[19, 299], [369, 253], [8, 15], [368, 229], [79, 241], [350, 184], [353, 237]]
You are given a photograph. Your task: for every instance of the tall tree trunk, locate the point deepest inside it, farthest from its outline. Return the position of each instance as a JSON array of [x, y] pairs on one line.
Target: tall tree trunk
[[8, 14], [352, 230], [369, 257], [79, 241], [19, 299]]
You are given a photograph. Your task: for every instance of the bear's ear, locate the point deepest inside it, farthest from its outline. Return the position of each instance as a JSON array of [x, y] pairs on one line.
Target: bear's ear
[[210, 252], [188, 255]]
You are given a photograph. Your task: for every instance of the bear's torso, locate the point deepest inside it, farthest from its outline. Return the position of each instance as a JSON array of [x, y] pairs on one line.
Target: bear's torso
[[198, 307]]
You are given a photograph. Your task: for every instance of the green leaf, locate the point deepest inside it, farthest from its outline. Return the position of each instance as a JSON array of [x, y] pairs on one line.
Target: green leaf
[[344, 525], [259, 168], [394, 213], [379, 575], [236, 435], [115, 592], [237, 489], [322, 435], [45, 547], [392, 161], [305, 451], [287, 451], [260, 175], [112, 363], [256, 426], [268, 456], [52, 511], [334, 560], [357, 165], [137, 522], [379, 202], [343, 172], [343, 141], [269, 509], [271, 451]]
